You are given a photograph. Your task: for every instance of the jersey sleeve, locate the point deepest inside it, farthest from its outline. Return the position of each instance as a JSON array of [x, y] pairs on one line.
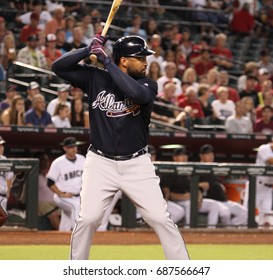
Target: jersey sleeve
[[141, 91], [69, 68]]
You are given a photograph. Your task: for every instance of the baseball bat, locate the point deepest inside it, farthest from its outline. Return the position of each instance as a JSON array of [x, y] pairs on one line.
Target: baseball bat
[[113, 11]]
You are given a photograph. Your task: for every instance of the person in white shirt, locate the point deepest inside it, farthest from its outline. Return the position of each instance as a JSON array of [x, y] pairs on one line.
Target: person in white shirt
[[223, 107], [264, 184], [60, 118], [63, 92], [169, 76], [45, 15], [239, 123]]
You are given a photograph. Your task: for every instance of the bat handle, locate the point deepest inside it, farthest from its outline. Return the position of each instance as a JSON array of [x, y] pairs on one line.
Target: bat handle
[[92, 56]]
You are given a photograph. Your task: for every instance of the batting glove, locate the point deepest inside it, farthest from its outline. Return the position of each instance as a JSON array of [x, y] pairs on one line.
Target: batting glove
[[102, 57], [98, 41]]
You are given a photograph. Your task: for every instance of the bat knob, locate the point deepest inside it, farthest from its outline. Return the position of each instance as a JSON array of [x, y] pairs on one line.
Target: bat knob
[[93, 58]]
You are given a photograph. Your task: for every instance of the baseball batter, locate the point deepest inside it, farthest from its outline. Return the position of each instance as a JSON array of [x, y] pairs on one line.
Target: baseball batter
[[264, 184], [5, 179], [120, 104], [65, 179]]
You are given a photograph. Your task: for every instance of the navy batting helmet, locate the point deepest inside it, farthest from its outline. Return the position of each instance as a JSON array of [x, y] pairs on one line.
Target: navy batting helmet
[[130, 46]]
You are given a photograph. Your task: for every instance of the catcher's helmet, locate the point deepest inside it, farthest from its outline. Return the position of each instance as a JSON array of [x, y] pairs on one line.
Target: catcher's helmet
[[130, 46]]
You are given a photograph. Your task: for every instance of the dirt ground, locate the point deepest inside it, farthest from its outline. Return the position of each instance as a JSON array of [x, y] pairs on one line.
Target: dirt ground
[[137, 236]]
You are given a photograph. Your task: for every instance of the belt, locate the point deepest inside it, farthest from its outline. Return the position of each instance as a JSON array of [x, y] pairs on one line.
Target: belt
[[3, 195], [126, 157]]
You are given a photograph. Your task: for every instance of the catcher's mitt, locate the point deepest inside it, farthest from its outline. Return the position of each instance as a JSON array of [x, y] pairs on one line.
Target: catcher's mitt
[[3, 216]]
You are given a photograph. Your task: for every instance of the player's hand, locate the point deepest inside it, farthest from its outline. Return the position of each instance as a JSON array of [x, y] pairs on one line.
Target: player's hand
[[98, 41], [102, 57]]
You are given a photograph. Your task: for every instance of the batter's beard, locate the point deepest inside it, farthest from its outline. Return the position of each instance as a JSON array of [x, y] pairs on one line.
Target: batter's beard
[[135, 74]]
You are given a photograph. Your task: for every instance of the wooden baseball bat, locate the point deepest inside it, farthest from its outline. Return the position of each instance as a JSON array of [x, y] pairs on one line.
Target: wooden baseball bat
[[113, 11]]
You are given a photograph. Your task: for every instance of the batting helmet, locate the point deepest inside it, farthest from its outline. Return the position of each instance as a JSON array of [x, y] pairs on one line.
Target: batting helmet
[[130, 46]]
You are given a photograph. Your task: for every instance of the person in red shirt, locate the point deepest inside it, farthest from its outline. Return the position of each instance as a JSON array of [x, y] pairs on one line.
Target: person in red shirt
[[205, 63], [265, 124], [222, 56], [51, 52], [31, 29], [242, 22], [192, 101]]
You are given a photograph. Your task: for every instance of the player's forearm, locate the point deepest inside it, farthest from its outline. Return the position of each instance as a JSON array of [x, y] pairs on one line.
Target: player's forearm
[[128, 86]]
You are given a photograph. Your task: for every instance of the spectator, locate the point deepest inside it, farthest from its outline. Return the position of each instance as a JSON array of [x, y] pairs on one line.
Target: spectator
[[37, 7], [181, 62], [222, 106], [158, 55], [251, 68], [190, 76], [223, 80], [265, 61], [242, 23], [37, 115], [46, 205], [203, 97], [266, 99], [222, 56], [7, 51], [192, 100], [32, 90], [250, 90], [31, 29], [239, 123], [263, 75], [265, 124], [31, 55], [78, 116], [151, 28], [170, 72], [70, 23], [10, 93], [5, 178], [57, 21], [64, 179], [154, 71], [51, 52], [186, 44], [235, 213], [136, 28], [77, 38], [195, 55], [60, 117], [204, 64], [163, 113], [179, 187], [15, 114], [87, 28], [249, 108], [63, 91], [61, 43]]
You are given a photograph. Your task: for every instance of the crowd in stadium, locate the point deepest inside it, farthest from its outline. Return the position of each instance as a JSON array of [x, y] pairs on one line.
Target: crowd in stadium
[[205, 71]]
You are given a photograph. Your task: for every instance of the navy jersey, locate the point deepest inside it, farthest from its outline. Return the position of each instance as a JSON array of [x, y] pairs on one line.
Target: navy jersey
[[119, 105]]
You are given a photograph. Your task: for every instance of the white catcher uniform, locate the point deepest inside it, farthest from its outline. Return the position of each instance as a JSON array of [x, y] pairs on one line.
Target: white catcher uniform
[[264, 183], [67, 176], [4, 176]]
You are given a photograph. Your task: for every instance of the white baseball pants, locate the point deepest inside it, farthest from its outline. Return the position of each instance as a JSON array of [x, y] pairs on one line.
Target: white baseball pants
[[136, 178]]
